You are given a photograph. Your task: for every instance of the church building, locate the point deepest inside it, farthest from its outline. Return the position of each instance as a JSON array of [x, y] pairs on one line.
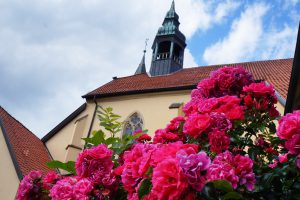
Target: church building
[[145, 100], [149, 100]]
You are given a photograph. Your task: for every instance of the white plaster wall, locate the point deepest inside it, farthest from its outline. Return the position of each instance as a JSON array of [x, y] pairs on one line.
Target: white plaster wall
[[9, 181]]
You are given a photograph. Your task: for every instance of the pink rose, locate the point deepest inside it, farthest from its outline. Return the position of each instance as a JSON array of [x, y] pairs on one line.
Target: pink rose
[[219, 141], [94, 163], [293, 144], [63, 189], [283, 158], [289, 125], [260, 90], [50, 179], [248, 101], [30, 187], [193, 165], [168, 180], [196, 124], [235, 169], [82, 189]]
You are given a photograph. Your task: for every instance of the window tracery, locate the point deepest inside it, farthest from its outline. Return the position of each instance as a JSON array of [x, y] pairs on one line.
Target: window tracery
[[133, 123]]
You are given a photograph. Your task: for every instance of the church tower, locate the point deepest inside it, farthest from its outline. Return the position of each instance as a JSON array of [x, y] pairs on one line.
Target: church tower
[[168, 46]]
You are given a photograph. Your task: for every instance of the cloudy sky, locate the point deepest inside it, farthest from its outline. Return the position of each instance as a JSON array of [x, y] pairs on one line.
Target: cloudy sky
[[54, 51]]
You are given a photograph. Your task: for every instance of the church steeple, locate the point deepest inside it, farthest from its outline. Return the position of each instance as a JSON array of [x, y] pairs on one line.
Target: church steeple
[[142, 67], [168, 46]]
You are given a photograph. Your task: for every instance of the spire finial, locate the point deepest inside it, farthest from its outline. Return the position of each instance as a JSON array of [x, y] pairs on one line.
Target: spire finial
[[146, 44], [173, 5], [142, 66]]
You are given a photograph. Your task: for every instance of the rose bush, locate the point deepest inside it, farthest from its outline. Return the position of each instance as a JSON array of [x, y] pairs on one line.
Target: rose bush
[[225, 147]]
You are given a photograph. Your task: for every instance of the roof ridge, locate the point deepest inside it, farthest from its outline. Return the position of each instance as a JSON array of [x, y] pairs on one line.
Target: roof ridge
[[19, 122], [224, 64], [131, 76]]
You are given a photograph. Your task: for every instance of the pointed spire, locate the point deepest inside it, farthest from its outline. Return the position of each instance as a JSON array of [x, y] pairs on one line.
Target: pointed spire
[[142, 66], [173, 6]]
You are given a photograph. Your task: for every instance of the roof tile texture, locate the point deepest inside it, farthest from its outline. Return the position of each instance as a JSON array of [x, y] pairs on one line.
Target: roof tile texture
[[31, 154], [276, 72]]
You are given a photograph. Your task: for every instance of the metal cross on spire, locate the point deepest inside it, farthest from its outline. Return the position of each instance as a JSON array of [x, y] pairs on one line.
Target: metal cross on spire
[[142, 66], [146, 44]]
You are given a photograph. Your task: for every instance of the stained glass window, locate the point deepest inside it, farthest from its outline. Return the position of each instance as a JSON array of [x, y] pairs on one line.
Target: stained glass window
[[133, 124]]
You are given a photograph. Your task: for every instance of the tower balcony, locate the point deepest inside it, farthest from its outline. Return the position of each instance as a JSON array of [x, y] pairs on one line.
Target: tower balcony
[[166, 55]]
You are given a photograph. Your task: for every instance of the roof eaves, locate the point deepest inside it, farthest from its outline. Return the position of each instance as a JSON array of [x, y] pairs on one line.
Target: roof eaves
[[186, 87], [64, 123], [11, 152], [280, 98]]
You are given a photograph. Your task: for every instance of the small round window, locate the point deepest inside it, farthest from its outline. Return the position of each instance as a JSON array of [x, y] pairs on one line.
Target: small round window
[[133, 124]]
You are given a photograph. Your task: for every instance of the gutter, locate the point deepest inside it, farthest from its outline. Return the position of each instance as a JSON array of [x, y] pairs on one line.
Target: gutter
[[93, 96], [280, 98], [93, 119], [11, 152]]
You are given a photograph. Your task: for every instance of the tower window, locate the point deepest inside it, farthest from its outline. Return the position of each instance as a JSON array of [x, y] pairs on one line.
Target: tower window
[[177, 57], [163, 50], [133, 123]]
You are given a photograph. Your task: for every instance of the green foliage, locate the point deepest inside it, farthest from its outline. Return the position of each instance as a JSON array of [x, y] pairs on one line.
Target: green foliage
[[145, 188], [109, 121], [68, 166], [218, 189]]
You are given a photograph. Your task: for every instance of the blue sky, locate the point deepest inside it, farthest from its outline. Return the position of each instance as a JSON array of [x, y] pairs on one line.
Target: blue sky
[[54, 51]]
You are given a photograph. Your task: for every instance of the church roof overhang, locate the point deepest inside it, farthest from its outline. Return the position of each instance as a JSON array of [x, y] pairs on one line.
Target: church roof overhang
[[145, 91], [276, 72], [26, 150]]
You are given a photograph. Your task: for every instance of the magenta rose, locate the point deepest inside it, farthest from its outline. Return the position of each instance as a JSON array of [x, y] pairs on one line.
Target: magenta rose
[[193, 165], [289, 125], [293, 144], [196, 124], [94, 163], [169, 181], [219, 141], [30, 187]]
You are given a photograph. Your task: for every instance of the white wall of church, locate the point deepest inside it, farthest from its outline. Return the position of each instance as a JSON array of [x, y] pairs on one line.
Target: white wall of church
[[154, 107], [9, 181], [69, 135]]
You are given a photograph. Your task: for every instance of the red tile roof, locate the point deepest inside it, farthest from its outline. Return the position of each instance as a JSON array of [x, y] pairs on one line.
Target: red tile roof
[[27, 151], [276, 72]]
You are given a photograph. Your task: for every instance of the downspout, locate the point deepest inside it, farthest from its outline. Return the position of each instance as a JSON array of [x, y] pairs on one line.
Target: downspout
[[93, 119]]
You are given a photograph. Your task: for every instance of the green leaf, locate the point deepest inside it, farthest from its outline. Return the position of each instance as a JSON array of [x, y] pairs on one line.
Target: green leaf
[[68, 166], [223, 185], [112, 140], [149, 171], [272, 127], [232, 195], [145, 188], [98, 138]]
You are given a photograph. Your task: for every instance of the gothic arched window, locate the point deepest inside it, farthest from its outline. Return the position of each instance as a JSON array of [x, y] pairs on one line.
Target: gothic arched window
[[133, 123]]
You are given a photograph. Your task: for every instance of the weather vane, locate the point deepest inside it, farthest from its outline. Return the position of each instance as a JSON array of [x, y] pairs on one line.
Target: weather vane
[[146, 44]]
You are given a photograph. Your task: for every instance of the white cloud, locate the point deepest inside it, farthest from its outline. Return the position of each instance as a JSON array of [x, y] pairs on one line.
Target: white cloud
[[242, 39], [225, 8], [52, 52], [189, 60], [201, 15], [279, 43]]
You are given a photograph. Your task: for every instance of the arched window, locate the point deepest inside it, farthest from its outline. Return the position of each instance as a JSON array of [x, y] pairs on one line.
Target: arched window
[[133, 123]]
